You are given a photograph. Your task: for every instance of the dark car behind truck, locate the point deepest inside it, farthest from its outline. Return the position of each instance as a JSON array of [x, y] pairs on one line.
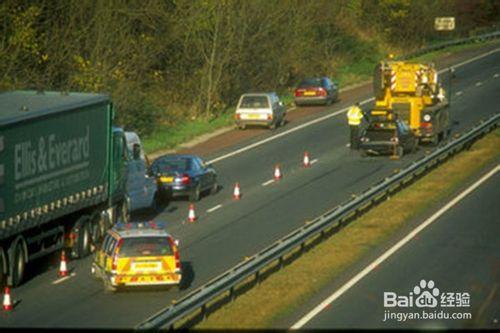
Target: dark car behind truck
[[390, 137], [62, 175]]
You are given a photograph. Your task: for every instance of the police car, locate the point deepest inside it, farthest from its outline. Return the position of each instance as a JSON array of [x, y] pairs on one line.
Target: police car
[[137, 254]]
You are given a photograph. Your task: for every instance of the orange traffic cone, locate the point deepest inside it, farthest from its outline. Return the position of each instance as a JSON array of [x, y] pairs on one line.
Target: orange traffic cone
[[307, 162], [277, 172], [7, 303], [63, 268], [191, 215], [237, 193]]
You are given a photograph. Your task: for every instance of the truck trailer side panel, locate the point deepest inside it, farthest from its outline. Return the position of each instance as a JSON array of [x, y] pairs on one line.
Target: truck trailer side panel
[[53, 163]]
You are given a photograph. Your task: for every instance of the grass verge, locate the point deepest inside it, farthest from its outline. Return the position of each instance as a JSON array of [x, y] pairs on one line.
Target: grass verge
[[283, 292], [172, 137]]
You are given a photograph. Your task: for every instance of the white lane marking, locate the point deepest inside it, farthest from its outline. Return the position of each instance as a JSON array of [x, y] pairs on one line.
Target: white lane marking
[[270, 181], [214, 208], [479, 84], [277, 136], [391, 251], [328, 116], [458, 93], [64, 278], [496, 75], [314, 161], [463, 63]]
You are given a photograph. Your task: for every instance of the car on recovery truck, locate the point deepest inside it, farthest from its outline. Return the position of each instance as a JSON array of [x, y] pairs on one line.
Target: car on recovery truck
[[62, 176]]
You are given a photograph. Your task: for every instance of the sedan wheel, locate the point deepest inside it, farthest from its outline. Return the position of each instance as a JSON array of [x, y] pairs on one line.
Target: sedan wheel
[[215, 188], [195, 195]]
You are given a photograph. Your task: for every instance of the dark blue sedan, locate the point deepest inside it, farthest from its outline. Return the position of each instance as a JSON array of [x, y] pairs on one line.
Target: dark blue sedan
[[181, 175]]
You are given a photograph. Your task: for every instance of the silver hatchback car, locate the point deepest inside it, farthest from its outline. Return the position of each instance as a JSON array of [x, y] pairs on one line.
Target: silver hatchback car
[[264, 109]]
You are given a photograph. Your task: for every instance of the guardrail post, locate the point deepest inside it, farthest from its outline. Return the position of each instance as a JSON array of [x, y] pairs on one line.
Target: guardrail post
[[281, 262], [204, 311], [257, 277], [231, 293]]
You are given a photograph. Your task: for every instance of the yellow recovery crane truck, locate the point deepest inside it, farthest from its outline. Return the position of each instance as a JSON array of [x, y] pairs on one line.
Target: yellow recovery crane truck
[[411, 92]]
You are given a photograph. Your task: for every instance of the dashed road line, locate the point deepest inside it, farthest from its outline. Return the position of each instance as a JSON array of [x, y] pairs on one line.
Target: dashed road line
[[479, 84], [213, 209], [270, 181], [496, 75], [458, 93], [64, 278], [314, 161]]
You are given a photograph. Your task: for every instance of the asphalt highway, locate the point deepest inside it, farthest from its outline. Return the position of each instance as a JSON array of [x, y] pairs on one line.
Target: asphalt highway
[[223, 235], [459, 252]]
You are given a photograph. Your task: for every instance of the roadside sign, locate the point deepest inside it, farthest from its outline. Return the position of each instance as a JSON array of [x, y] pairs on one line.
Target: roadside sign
[[444, 23]]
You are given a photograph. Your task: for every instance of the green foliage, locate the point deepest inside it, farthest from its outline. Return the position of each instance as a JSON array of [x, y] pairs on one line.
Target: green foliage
[[165, 62]]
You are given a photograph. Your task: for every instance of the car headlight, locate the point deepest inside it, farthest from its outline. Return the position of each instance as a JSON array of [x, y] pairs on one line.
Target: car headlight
[[427, 117]]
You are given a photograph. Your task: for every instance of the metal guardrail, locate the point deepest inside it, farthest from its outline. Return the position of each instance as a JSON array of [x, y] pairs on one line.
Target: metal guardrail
[[478, 38], [253, 266]]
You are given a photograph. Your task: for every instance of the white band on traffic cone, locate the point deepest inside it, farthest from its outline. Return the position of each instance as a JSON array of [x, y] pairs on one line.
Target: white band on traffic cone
[[306, 160], [191, 215], [7, 303], [63, 268], [277, 173], [236, 193]]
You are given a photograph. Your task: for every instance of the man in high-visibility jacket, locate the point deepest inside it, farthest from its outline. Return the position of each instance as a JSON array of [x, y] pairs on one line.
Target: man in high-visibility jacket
[[354, 116]]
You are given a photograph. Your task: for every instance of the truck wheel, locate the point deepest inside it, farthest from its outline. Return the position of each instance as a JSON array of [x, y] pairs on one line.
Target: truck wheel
[[95, 232], [3, 267], [17, 263], [81, 246]]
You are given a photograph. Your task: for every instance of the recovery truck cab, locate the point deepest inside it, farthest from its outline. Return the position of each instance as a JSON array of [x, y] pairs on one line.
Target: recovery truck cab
[[413, 93]]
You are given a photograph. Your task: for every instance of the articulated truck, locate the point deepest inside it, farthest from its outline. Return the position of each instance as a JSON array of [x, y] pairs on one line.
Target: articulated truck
[[62, 176]]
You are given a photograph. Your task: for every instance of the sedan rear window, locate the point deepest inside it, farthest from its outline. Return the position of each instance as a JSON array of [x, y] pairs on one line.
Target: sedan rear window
[[172, 165], [254, 102], [146, 247], [310, 83]]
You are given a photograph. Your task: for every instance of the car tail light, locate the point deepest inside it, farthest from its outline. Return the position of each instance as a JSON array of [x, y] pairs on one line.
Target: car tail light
[[426, 125], [298, 92], [114, 265], [185, 179], [176, 254], [177, 261], [237, 116], [269, 117], [321, 92]]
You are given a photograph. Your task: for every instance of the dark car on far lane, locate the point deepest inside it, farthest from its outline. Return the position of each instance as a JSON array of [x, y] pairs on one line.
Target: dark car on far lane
[[388, 137], [316, 91], [181, 175]]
